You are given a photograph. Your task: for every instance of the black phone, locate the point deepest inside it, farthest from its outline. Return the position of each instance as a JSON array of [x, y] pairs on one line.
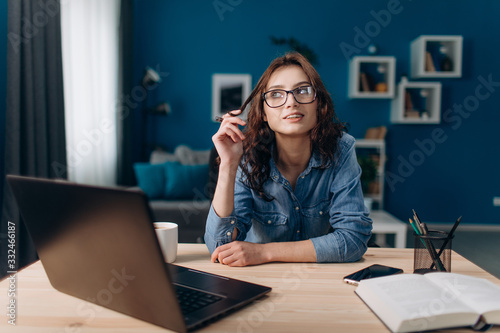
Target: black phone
[[371, 272]]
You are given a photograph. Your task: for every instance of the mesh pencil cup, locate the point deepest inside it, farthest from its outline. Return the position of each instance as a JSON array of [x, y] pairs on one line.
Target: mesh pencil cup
[[432, 252]]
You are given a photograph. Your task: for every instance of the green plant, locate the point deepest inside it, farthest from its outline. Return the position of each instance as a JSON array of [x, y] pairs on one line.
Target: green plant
[[368, 171]]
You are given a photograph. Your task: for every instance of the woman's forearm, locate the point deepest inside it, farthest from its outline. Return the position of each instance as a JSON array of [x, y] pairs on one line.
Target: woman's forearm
[[300, 251], [223, 200]]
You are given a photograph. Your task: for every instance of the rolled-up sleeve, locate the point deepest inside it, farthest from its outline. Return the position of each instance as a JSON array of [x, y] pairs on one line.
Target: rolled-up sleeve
[[219, 230], [348, 214]]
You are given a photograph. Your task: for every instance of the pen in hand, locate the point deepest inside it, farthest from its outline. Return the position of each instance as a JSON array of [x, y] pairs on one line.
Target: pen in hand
[[220, 119]]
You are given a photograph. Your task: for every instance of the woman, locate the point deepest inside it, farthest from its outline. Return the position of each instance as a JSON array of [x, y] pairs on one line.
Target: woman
[[289, 185]]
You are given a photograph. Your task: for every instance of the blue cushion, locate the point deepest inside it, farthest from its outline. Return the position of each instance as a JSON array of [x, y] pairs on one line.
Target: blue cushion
[[185, 181], [151, 179]]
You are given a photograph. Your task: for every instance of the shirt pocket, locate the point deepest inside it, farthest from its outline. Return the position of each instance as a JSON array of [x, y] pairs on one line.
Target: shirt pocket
[[270, 219], [270, 227], [317, 218]]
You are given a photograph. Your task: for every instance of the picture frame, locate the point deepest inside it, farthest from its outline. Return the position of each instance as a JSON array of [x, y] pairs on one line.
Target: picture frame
[[229, 91]]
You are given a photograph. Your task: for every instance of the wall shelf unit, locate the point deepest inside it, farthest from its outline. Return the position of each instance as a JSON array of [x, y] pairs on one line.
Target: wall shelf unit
[[436, 57], [417, 103], [372, 77], [373, 149]]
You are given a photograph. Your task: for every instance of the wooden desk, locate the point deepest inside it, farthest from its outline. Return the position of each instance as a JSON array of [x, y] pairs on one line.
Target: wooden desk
[[305, 298]]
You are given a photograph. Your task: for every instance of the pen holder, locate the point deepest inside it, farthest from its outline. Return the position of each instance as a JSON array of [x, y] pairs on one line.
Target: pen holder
[[432, 252]]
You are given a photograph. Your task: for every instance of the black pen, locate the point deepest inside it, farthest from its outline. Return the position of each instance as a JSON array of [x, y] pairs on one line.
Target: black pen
[[220, 119], [448, 238], [415, 215], [430, 247], [452, 231], [432, 250]]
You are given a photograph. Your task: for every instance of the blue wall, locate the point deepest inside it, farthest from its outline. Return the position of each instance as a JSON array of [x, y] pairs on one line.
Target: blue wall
[[190, 41], [3, 79]]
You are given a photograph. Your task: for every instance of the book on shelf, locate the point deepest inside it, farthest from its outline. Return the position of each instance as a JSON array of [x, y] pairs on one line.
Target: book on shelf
[[434, 49], [429, 63], [412, 114], [413, 302], [436, 60], [408, 102], [365, 84]]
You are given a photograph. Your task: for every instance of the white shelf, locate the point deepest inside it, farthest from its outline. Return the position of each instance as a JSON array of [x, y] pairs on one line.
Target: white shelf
[[425, 105], [439, 48], [385, 223], [377, 147], [379, 77]]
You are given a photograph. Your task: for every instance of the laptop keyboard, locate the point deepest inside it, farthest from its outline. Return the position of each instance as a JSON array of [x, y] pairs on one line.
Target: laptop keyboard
[[192, 300]]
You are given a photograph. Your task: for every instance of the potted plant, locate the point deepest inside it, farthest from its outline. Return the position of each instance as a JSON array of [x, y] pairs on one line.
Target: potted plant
[[368, 172]]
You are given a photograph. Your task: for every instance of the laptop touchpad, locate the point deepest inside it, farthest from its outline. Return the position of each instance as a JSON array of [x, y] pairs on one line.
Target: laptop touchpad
[[202, 280]]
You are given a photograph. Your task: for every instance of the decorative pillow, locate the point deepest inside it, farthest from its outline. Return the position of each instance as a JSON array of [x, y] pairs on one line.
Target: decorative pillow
[[151, 179], [184, 181], [182, 154], [160, 156], [188, 156]]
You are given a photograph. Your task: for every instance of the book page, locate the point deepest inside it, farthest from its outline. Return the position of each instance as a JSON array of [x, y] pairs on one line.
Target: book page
[[413, 301], [411, 294], [480, 294]]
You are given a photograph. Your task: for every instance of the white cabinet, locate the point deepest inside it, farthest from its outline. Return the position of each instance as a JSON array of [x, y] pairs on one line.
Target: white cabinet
[[436, 57], [372, 77], [417, 103], [385, 223], [371, 151]]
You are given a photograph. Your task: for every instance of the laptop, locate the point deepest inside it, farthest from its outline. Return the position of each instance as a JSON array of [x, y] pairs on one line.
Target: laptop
[[99, 244]]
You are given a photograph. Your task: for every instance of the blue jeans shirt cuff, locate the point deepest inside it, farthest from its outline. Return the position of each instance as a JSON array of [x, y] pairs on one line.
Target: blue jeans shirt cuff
[[219, 230]]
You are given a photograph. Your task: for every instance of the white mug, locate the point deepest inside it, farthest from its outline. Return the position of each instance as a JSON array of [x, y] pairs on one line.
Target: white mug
[[167, 234]]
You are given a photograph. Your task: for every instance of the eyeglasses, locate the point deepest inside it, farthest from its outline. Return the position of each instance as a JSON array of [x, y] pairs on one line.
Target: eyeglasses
[[278, 97]]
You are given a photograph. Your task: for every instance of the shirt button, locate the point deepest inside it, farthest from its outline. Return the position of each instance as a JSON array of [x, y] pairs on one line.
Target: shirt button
[[298, 231], [228, 233], [232, 221], [320, 212], [297, 208], [302, 177], [269, 222]]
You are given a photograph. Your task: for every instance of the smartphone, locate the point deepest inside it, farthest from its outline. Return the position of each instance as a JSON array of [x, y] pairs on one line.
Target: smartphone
[[371, 272]]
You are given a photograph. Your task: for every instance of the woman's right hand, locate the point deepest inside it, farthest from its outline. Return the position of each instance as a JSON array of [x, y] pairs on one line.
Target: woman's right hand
[[228, 139]]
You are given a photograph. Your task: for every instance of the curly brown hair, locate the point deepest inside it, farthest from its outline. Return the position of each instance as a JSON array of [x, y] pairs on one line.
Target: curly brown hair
[[260, 138]]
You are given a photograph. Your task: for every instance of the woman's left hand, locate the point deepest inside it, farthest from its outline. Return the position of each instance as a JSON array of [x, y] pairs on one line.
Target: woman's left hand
[[239, 253]]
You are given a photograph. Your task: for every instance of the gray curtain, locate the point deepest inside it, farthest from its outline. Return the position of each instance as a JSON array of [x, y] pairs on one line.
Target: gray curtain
[[35, 142]]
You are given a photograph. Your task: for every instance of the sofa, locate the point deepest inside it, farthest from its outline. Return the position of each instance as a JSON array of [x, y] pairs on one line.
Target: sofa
[[180, 187]]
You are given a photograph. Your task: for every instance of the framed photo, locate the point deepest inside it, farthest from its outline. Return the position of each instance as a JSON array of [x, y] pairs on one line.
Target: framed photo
[[229, 91]]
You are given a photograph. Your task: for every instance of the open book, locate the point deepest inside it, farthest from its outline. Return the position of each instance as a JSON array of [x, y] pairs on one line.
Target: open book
[[412, 302]]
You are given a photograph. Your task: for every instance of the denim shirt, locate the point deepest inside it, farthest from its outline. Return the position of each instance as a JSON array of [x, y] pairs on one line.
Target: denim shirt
[[326, 207]]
